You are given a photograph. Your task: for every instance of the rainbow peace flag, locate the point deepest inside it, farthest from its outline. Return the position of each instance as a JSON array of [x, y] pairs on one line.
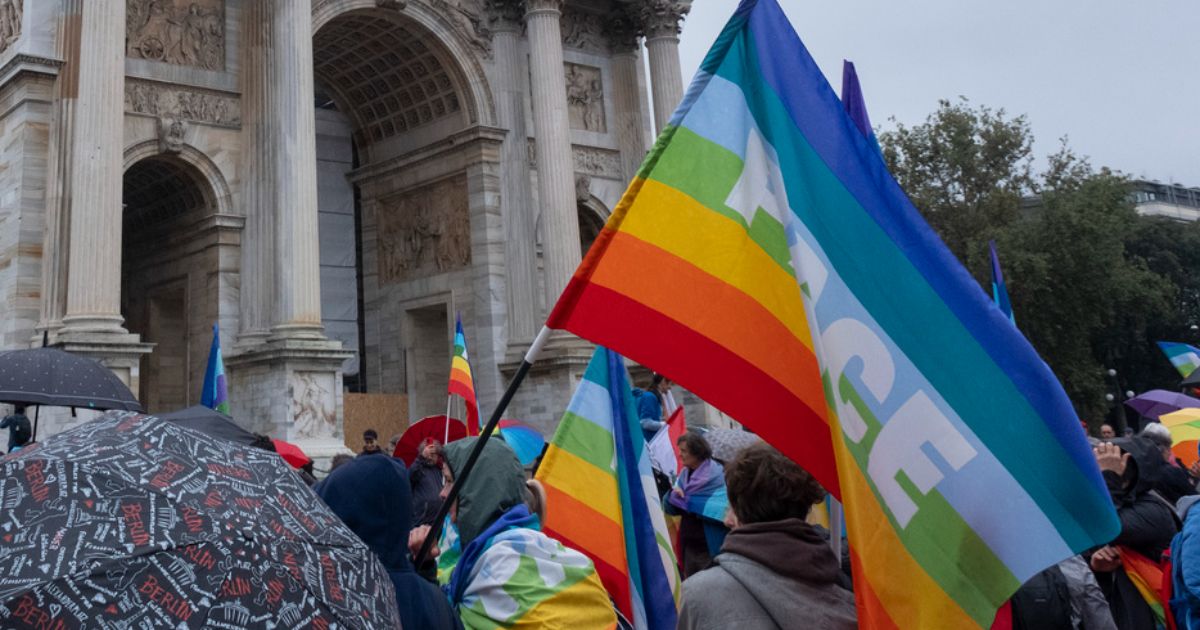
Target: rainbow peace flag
[[601, 497], [1147, 577], [215, 394], [796, 288], [461, 382], [1185, 357]]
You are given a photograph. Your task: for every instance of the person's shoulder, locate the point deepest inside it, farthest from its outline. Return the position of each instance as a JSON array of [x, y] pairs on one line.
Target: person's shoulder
[[703, 581]]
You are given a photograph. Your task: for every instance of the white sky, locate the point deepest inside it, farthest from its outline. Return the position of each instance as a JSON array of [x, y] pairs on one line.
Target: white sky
[[1120, 78]]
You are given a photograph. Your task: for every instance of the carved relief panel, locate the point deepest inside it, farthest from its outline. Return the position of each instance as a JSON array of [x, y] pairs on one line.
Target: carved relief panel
[[585, 98], [424, 232], [583, 30], [313, 406], [157, 99], [181, 32], [10, 22]]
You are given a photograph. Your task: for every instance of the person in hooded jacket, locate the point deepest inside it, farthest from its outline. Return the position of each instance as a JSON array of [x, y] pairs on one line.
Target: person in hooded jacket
[[372, 497], [1185, 566], [775, 570], [425, 475], [509, 574], [1131, 468]]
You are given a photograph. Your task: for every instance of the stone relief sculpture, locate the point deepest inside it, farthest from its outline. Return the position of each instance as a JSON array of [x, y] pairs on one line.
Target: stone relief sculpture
[[583, 30], [470, 19], [181, 32], [11, 16], [313, 415], [155, 99], [171, 134], [585, 98], [424, 232]]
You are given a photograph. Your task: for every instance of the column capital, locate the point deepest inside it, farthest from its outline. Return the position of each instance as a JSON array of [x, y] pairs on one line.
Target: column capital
[[541, 6], [662, 18], [623, 27], [506, 14]]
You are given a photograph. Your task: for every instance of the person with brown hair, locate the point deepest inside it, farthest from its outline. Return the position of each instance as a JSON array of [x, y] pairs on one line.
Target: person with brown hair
[[699, 499], [775, 570]]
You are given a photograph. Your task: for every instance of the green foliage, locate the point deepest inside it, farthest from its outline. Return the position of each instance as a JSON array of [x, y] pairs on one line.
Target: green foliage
[[1093, 285]]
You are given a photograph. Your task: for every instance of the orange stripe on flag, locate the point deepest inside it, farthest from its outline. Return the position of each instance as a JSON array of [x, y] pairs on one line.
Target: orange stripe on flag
[[591, 531]]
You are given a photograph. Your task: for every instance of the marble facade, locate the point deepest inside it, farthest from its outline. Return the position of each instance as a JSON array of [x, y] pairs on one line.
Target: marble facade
[[330, 181]]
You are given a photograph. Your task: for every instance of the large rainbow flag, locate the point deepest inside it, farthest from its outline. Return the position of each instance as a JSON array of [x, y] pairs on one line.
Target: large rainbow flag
[[601, 497], [797, 289], [215, 393], [1185, 357], [461, 382]]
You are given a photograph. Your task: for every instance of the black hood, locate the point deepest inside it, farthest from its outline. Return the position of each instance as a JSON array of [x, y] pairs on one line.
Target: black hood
[[372, 497], [1148, 460]]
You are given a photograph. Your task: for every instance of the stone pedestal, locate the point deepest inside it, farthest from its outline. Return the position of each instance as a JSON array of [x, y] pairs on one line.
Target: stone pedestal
[[291, 389], [120, 353]]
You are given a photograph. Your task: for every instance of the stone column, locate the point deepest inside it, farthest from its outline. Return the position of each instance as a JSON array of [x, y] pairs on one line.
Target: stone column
[[94, 277], [520, 256], [623, 30], [294, 147], [258, 183], [555, 163], [661, 19]]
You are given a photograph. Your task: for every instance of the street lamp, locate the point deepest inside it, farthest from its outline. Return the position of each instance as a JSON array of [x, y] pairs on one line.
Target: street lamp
[[1116, 400]]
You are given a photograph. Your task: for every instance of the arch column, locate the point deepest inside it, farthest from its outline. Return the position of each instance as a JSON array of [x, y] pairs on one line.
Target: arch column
[[662, 19]]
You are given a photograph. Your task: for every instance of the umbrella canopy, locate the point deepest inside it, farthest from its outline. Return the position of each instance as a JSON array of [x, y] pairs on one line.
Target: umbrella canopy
[[291, 454], [726, 443], [210, 422], [1157, 402], [51, 377], [427, 427], [526, 441], [129, 521], [1184, 426]]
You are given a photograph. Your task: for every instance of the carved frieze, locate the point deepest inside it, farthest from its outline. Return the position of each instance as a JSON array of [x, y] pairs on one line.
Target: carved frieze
[[424, 232], [592, 161], [585, 98], [181, 32], [159, 100], [583, 30], [11, 17]]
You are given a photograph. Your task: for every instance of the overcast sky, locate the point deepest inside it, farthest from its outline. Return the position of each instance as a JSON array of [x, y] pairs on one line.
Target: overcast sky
[[1120, 78]]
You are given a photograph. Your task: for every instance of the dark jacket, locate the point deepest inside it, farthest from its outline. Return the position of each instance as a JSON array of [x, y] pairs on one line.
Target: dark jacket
[[19, 429], [426, 482], [780, 574], [372, 496], [1185, 567], [1147, 526], [1175, 483]]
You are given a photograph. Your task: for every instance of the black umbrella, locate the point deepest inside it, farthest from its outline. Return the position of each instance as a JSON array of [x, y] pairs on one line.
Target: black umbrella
[[210, 422], [51, 377], [132, 522]]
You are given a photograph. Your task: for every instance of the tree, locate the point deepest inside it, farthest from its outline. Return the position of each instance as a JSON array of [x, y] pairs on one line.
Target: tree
[[1092, 284]]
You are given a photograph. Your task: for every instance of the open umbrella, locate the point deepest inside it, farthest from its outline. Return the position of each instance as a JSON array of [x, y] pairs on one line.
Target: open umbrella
[[427, 427], [210, 422], [291, 454], [1157, 402], [51, 377], [132, 522], [1184, 426], [525, 441], [725, 443]]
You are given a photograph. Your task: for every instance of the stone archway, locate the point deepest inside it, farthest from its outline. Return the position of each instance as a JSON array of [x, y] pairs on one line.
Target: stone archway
[[170, 274]]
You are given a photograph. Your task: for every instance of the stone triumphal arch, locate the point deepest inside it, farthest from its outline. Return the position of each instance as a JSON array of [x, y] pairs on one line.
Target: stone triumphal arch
[[329, 181]]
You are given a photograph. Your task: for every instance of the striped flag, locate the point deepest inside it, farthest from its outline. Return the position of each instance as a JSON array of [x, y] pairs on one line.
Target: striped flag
[[215, 394], [999, 290], [461, 383], [1185, 357], [796, 288], [1147, 576], [601, 497]]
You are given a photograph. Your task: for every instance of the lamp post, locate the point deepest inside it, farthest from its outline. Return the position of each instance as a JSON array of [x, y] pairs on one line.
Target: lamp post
[[1118, 401]]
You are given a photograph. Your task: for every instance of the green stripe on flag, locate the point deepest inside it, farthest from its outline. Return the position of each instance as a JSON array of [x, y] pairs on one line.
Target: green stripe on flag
[[587, 441]]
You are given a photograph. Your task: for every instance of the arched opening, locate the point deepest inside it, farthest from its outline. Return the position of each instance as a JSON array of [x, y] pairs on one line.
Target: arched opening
[[590, 224], [386, 86], [168, 284]]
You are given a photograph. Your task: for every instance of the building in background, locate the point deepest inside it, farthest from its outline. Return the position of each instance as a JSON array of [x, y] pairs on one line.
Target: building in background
[[1153, 198], [329, 180]]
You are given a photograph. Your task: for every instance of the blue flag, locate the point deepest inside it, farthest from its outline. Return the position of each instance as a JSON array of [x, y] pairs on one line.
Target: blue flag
[[215, 394]]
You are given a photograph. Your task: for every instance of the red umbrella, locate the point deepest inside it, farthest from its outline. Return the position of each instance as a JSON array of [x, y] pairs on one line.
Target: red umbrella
[[291, 454], [429, 427]]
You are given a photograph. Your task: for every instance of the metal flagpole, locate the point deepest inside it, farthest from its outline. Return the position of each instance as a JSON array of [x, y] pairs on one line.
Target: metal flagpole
[[460, 479]]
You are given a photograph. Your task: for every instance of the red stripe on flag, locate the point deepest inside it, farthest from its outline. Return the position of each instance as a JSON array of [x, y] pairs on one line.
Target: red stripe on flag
[[711, 371]]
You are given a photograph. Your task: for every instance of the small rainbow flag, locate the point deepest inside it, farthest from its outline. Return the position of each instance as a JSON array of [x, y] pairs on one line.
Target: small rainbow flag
[[797, 289], [215, 394], [601, 497], [1147, 576], [461, 382], [1185, 357]]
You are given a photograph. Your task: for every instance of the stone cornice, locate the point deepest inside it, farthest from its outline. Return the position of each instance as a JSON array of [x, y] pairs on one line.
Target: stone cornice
[[543, 6], [29, 63], [477, 136], [662, 18]]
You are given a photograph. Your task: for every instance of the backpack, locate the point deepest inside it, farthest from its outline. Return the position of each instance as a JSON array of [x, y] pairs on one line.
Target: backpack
[[1043, 603]]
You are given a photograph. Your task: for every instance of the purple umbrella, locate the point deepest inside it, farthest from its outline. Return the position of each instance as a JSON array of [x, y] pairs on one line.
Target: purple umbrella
[[1157, 402]]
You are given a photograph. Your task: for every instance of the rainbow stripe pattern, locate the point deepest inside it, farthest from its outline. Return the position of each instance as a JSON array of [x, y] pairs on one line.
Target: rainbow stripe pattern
[[764, 259], [601, 497], [461, 382], [1147, 577], [215, 394], [1185, 357]]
